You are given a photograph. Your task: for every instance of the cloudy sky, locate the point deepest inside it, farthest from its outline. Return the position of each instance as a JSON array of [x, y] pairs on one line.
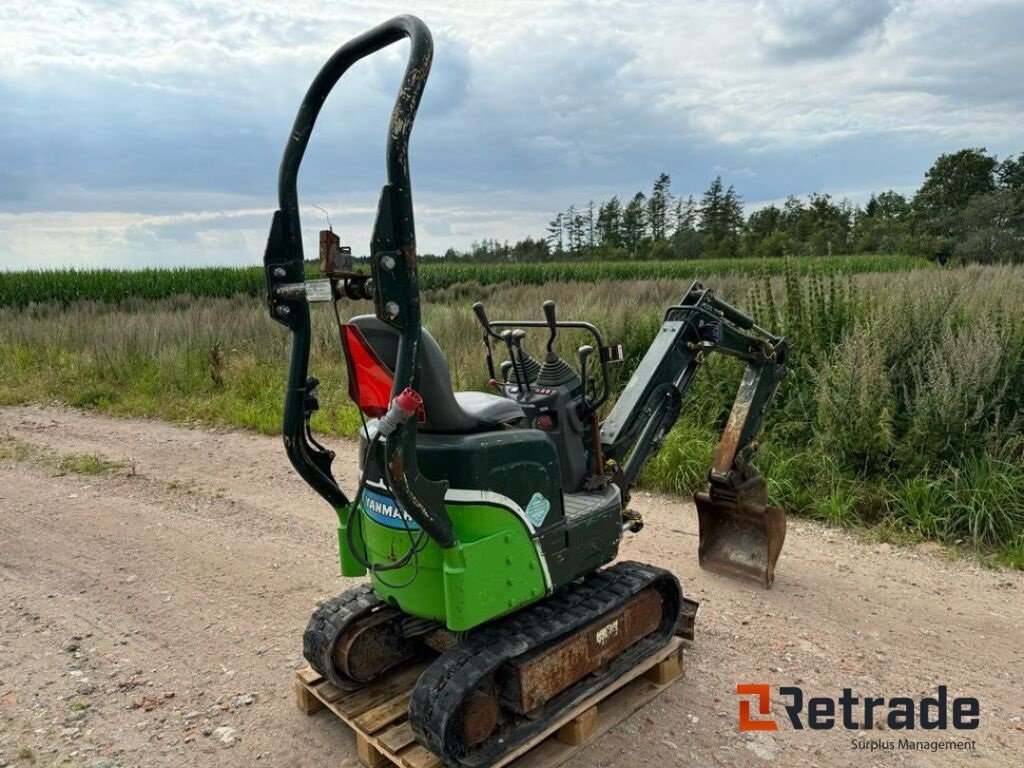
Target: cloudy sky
[[149, 133]]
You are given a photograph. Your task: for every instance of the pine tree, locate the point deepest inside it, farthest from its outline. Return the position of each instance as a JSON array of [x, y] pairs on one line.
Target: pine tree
[[658, 207], [579, 232], [590, 225], [567, 218], [609, 223], [634, 224], [712, 204], [732, 211], [555, 237], [685, 217]]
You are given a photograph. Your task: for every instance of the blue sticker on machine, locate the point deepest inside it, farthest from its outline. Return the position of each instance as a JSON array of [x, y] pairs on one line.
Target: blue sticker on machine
[[384, 510], [537, 509]]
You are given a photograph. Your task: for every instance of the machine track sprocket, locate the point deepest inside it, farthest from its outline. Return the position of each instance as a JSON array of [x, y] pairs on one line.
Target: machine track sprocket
[[328, 625], [452, 710]]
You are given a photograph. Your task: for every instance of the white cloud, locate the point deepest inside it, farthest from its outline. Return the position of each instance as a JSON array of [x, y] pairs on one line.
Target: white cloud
[[160, 123], [810, 29]]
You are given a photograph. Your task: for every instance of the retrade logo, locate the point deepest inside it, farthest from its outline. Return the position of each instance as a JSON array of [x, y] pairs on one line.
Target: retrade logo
[[762, 696], [822, 713]]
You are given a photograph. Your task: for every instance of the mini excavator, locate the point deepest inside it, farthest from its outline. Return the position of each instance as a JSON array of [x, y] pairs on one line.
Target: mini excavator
[[486, 522]]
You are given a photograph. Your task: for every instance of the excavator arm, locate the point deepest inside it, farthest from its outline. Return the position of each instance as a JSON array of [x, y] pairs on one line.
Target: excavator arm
[[739, 533]]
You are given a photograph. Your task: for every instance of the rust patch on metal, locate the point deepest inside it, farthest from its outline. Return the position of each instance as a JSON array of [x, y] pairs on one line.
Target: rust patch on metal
[[739, 539], [372, 646], [400, 484], [397, 467], [729, 445], [479, 716], [410, 257], [687, 618], [541, 676]]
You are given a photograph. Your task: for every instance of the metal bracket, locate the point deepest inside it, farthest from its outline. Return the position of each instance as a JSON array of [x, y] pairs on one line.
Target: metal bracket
[[310, 290], [612, 353]]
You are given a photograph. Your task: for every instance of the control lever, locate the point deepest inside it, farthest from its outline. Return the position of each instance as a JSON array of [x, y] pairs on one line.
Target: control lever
[[585, 352], [506, 366], [513, 345], [481, 316], [517, 341], [589, 411], [549, 317]]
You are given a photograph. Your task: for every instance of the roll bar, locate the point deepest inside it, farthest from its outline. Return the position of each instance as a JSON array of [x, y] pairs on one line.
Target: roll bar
[[396, 292], [421, 51]]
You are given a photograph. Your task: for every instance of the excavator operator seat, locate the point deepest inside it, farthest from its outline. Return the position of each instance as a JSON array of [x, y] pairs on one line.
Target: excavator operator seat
[[447, 411]]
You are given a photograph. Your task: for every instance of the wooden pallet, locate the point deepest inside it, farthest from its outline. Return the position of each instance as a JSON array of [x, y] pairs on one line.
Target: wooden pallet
[[378, 714]]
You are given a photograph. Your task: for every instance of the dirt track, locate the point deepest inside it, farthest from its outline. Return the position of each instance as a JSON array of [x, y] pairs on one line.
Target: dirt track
[[140, 611]]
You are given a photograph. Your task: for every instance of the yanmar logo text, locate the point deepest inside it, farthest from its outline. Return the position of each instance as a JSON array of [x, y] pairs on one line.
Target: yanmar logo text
[[855, 713]]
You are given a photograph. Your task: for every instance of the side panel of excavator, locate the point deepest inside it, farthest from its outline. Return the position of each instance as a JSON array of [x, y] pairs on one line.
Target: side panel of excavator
[[495, 569], [518, 536]]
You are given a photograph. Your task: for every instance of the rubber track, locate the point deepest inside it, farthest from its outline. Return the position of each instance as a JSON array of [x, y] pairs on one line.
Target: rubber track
[[436, 699], [327, 624]]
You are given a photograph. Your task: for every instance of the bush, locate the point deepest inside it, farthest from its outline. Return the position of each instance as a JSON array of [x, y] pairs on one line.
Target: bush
[[987, 501], [959, 391], [855, 404], [775, 245], [920, 504]]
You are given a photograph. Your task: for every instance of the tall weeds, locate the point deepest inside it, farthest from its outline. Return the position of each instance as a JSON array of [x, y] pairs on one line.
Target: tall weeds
[[904, 402]]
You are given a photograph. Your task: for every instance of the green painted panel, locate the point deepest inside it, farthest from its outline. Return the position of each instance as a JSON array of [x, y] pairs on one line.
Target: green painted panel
[[349, 565], [490, 577], [495, 568]]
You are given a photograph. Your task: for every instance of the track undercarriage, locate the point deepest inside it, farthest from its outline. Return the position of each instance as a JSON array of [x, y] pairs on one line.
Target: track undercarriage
[[497, 686]]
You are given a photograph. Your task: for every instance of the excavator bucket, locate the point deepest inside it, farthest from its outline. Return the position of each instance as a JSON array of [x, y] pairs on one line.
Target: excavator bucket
[[741, 540]]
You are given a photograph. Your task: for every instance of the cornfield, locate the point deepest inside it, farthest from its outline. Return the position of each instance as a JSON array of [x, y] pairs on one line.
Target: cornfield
[[19, 289]]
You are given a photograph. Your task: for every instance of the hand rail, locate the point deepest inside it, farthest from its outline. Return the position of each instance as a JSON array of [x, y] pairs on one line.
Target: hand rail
[[284, 259], [421, 52]]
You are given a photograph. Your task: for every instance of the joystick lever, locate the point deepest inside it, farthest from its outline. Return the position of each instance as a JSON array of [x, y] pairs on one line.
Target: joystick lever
[[549, 317], [481, 316], [585, 352]]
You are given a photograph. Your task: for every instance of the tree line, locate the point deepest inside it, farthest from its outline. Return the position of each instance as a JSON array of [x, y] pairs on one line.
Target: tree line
[[970, 207]]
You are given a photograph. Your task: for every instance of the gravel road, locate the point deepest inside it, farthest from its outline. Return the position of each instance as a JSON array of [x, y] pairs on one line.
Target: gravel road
[[153, 615]]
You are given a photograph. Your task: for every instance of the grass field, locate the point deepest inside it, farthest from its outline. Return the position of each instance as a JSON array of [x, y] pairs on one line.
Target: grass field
[[65, 286], [904, 410]]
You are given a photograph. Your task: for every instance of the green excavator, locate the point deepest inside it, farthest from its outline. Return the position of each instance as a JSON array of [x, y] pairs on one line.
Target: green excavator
[[486, 522]]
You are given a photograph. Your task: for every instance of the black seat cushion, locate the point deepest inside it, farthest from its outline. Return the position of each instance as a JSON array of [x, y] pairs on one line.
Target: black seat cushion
[[489, 409], [447, 412]]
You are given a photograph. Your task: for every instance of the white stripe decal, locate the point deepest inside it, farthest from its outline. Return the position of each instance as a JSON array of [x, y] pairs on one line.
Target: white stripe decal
[[470, 496], [543, 565]]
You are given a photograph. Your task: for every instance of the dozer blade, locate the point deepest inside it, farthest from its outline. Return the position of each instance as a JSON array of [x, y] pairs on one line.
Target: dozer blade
[[740, 540]]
